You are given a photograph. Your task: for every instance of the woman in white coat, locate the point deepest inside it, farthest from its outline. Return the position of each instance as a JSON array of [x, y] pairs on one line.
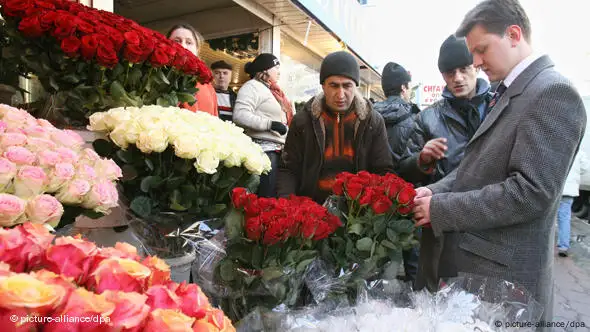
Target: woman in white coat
[[571, 190]]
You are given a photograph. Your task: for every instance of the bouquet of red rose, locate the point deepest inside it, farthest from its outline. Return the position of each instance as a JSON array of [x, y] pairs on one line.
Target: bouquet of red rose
[[83, 287], [270, 243], [90, 60], [376, 213]]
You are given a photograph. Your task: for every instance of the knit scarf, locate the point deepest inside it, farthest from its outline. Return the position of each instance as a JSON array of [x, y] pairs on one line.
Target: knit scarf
[[282, 99]]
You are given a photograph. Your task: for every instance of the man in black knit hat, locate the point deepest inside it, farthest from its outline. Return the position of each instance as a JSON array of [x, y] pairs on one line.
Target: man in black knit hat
[[437, 144], [337, 131]]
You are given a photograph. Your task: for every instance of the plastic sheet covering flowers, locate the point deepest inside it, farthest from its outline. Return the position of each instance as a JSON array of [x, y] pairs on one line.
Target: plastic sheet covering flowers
[[112, 288], [91, 60], [270, 243], [468, 303], [46, 175]]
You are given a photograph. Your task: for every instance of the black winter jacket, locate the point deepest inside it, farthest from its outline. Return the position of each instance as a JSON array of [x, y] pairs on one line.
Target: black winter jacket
[[399, 123]]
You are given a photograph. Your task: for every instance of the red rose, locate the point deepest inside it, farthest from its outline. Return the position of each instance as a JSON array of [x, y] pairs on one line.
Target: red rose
[[381, 205], [84, 27], [406, 195], [252, 208], [266, 204], [133, 53], [253, 228], [117, 39], [404, 210], [338, 187], [88, 17], [89, 46], [47, 20], [239, 197], [354, 189], [147, 44], [45, 5], [160, 56], [30, 27], [33, 11], [70, 46], [65, 25], [105, 53], [205, 75], [367, 197], [394, 188], [132, 38], [274, 234], [16, 7]]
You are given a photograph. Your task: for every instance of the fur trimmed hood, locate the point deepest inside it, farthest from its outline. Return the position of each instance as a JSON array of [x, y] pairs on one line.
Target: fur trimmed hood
[[360, 105]]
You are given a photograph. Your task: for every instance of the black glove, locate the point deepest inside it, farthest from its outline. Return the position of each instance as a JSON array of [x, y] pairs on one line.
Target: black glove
[[278, 127]]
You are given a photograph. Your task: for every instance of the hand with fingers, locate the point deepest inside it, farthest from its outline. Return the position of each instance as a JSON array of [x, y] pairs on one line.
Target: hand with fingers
[[422, 207], [432, 151]]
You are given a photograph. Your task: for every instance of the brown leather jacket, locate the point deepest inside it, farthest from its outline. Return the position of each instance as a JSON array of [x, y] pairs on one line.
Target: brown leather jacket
[[303, 155]]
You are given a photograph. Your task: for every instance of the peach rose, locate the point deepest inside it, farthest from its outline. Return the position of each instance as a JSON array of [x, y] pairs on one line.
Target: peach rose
[[12, 139], [59, 176], [30, 181], [67, 155], [48, 159], [160, 270], [36, 144], [107, 169], [38, 131], [193, 301], [88, 157], [3, 126], [119, 274], [71, 257], [169, 320], [85, 172], [130, 310], [74, 192], [19, 155], [94, 308], [46, 124], [44, 209], [160, 297], [7, 173], [36, 239], [25, 291], [12, 209], [67, 138]]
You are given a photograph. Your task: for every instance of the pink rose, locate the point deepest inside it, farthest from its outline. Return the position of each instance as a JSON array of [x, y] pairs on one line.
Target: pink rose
[[86, 172], [46, 124], [12, 209], [48, 158], [19, 155], [67, 155], [12, 139], [36, 144], [107, 169], [3, 126], [68, 138], [102, 197], [88, 156], [44, 209], [5, 109], [59, 176], [74, 192], [30, 181], [18, 118], [38, 131], [7, 173]]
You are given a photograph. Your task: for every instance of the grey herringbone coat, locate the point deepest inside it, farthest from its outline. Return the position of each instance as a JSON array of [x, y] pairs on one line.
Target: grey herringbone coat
[[504, 195]]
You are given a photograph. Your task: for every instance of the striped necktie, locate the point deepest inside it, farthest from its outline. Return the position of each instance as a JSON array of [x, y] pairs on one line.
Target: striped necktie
[[499, 91]]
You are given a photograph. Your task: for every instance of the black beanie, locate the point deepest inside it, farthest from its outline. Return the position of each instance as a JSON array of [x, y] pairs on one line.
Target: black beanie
[[340, 64], [262, 62], [454, 54], [221, 65], [393, 77]]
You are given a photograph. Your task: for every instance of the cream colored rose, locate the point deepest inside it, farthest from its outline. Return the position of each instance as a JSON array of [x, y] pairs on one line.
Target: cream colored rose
[[119, 137], [30, 181], [7, 173], [44, 209], [102, 197], [61, 174], [107, 169], [206, 162], [12, 209], [74, 192], [187, 147], [155, 140], [97, 122]]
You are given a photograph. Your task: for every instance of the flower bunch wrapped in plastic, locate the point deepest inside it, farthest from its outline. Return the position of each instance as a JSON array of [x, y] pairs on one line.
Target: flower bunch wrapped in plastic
[[270, 243], [43, 169], [376, 212], [177, 162], [91, 60], [113, 289]]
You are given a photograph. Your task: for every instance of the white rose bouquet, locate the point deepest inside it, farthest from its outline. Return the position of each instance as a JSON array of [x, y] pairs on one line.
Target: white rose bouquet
[[46, 176], [178, 162]]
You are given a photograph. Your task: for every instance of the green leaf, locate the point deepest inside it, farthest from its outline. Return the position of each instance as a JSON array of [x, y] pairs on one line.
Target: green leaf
[[103, 147], [356, 229], [134, 76], [92, 214], [388, 244], [53, 83], [233, 224], [71, 78], [364, 244], [150, 182], [142, 205], [175, 182], [162, 102], [118, 91], [392, 235], [118, 70], [215, 210], [272, 273], [379, 224], [163, 77], [126, 156], [149, 164], [175, 199], [257, 256], [303, 265], [185, 97], [227, 271]]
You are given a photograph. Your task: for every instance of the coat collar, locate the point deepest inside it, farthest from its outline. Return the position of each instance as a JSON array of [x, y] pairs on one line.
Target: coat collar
[[359, 105]]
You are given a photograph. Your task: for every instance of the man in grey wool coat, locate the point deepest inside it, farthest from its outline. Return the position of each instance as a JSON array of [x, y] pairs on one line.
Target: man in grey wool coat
[[504, 195]]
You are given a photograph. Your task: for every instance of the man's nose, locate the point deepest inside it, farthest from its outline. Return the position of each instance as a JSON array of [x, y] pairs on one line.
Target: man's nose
[[477, 60]]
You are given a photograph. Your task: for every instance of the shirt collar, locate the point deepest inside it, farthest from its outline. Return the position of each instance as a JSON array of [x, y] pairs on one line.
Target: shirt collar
[[519, 68]]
